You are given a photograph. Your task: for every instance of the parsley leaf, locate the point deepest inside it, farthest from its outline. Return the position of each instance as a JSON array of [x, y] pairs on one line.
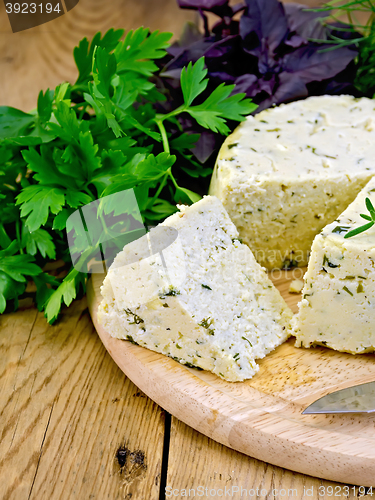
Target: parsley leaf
[[44, 106], [219, 107], [193, 81], [66, 292], [37, 202], [84, 52], [139, 50], [44, 289], [14, 122], [9, 289], [186, 196], [17, 266], [39, 240]]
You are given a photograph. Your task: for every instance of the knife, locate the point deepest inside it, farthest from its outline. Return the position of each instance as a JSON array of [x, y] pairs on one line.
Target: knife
[[357, 399]]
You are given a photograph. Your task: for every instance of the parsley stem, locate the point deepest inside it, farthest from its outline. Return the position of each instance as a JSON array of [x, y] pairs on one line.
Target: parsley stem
[[164, 136], [174, 182], [104, 225], [18, 233], [160, 188], [86, 189], [173, 113], [4, 237], [168, 173], [82, 87]]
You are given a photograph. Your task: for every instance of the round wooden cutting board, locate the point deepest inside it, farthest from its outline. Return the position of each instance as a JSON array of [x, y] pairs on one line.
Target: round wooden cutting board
[[262, 416]]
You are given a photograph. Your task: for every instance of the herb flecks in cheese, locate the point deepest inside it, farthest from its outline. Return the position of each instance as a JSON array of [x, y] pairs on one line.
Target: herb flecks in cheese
[[212, 307], [288, 171], [338, 306]]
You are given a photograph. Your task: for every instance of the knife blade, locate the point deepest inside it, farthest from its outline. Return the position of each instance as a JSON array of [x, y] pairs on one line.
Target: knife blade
[[357, 399]]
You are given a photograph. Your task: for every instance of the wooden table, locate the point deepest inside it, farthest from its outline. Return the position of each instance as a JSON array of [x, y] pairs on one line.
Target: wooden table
[[73, 426]]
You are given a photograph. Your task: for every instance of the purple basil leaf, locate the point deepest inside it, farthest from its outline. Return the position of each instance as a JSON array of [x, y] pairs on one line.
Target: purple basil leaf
[[251, 29], [224, 12], [222, 49], [207, 143], [233, 62], [218, 7], [226, 27], [225, 59], [342, 83], [239, 6], [175, 50], [190, 34], [332, 87], [345, 31], [191, 53], [251, 85], [201, 4], [267, 85], [305, 23], [269, 63], [219, 77], [291, 87], [295, 41], [263, 20], [310, 64], [173, 74]]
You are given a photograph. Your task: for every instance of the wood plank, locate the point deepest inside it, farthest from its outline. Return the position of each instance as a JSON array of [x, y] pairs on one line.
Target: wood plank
[[42, 57], [195, 460], [66, 409], [282, 279]]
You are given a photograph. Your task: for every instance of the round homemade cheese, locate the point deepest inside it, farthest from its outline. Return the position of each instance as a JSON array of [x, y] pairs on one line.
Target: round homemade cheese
[[288, 171]]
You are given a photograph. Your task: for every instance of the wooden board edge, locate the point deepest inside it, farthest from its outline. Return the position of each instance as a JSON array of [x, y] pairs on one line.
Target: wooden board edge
[[243, 435]]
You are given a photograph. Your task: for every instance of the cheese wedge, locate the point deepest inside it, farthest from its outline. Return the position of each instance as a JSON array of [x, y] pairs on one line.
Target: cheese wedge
[[338, 306], [288, 171], [191, 290]]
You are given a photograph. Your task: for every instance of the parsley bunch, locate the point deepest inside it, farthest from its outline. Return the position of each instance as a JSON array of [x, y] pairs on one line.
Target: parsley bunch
[[102, 135]]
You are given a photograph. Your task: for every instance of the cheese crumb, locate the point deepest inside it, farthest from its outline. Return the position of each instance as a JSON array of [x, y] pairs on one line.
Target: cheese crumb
[[296, 286]]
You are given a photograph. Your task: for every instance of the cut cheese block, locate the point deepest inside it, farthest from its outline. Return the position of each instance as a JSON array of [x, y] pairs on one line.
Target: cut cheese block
[[191, 290], [288, 171], [338, 306]]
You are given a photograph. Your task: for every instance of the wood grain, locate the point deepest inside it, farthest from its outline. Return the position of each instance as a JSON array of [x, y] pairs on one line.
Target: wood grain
[[195, 460], [262, 416], [65, 411], [42, 57], [65, 408]]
